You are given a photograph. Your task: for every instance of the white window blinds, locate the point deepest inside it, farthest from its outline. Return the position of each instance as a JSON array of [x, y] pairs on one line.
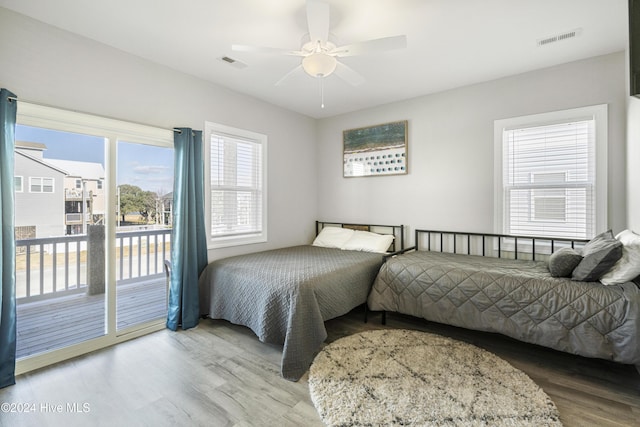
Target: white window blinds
[[549, 178], [236, 186]]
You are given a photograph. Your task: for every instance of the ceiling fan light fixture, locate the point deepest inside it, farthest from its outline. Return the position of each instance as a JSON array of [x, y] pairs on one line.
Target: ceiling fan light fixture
[[319, 64]]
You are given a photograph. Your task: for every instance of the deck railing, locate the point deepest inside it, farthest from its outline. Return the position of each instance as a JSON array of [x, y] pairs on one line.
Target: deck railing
[[57, 266], [39, 262], [141, 253]]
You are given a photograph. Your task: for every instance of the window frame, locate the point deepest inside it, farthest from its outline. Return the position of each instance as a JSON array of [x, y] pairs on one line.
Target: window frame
[[242, 134], [17, 178], [600, 115], [42, 184]]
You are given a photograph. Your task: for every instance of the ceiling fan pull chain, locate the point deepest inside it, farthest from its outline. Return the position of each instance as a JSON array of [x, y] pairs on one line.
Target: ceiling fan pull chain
[[321, 92]]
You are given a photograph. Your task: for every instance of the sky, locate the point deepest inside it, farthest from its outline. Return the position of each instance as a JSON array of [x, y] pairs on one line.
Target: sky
[[146, 166]]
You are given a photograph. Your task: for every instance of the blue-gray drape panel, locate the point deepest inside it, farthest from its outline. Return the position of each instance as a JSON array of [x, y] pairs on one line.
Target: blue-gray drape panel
[[7, 241], [189, 237]]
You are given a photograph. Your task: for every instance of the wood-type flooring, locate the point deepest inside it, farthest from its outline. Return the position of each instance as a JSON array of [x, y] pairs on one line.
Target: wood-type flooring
[[219, 374]]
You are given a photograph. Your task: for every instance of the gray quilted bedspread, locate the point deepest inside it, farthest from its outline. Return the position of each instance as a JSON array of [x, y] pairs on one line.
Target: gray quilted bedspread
[[515, 298], [285, 295]]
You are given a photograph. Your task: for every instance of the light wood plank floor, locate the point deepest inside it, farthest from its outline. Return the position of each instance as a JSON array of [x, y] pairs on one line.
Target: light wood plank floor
[[220, 375]]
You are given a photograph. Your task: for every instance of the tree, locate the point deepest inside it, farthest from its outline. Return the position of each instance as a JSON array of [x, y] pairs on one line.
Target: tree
[[147, 205], [133, 199]]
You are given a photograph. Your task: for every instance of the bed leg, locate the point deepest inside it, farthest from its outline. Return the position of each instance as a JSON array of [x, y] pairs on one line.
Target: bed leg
[[384, 318]]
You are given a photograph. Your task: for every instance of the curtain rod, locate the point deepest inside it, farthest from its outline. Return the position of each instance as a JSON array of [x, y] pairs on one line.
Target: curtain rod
[[13, 98]]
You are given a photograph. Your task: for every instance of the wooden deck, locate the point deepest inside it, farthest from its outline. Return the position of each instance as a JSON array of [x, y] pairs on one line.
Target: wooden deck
[[71, 319]]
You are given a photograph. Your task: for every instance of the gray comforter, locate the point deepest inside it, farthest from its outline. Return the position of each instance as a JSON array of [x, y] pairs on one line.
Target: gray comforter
[[515, 298], [285, 295]]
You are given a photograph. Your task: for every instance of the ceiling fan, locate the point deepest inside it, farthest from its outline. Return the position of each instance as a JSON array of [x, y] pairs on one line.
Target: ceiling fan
[[319, 53]]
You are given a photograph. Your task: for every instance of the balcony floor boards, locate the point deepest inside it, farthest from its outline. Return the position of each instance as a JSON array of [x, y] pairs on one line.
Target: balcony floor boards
[[62, 321], [219, 374]]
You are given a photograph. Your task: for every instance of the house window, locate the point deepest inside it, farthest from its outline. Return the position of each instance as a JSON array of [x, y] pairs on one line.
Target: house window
[[237, 186], [551, 174], [78, 184], [40, 185], [99, 185], [17, 184]]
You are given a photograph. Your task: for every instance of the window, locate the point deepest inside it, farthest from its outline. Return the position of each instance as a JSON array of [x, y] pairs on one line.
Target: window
[[78, 184], [99, 185], [40, 185], [237, 186], [17, 184], [551, 173]]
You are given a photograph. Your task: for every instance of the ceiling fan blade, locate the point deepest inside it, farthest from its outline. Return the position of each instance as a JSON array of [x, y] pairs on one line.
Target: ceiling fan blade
[[291, 73], [318, 21], [348, 74], [264, 49], [371, 46]]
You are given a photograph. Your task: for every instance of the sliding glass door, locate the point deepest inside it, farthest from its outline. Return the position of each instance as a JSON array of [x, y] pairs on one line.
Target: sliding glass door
[[60, 239], [144, 208], [93, 229]]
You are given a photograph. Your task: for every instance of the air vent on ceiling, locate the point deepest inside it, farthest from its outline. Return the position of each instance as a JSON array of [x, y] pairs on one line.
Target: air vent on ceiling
[[233, 62], [560, 37]]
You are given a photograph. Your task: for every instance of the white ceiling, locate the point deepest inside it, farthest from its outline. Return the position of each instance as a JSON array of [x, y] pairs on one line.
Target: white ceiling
[[451, 43]]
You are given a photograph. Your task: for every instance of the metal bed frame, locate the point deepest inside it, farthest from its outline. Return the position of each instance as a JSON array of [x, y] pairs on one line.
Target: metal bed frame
[[396, 230], [532, 248], [491, 244]]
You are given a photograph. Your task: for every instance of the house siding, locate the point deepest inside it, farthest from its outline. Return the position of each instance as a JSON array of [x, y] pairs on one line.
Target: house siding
[[45, 211]]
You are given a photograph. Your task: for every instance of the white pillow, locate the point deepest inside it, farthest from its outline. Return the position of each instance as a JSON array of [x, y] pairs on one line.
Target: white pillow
[[368, 242], [628, 267], [333, 237]]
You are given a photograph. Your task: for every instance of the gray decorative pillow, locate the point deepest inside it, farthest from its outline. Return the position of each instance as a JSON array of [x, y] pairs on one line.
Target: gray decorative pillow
[[598, 256], [563, 261]]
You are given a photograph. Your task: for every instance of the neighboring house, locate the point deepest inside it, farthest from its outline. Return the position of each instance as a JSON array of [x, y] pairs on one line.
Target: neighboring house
[[37, 184], [68, 188], [84, 194], [165, 214]]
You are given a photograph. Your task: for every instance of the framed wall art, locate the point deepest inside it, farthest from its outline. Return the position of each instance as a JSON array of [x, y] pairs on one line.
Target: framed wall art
[[375, 150]]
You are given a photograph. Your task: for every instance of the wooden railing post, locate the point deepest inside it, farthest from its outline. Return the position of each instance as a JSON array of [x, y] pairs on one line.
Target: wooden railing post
[[95, 260]]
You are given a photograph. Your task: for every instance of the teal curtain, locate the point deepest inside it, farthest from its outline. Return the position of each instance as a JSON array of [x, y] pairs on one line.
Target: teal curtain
[[189, 238], [7, 241]]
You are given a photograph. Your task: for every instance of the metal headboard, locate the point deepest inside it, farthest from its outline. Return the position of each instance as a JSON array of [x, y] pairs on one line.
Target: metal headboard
[[396, 230], [491, 244]]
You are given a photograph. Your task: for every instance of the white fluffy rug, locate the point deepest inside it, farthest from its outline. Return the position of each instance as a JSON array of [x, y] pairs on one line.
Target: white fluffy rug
[[402, 377]]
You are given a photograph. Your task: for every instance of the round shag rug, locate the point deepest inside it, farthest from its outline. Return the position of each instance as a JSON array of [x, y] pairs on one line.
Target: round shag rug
[[402, 377]]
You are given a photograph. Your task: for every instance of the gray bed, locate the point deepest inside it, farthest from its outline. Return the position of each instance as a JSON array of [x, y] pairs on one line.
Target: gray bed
[[515, 297], [285, 295]]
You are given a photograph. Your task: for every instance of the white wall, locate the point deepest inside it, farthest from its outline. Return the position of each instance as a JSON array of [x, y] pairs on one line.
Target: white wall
[[633, 172], [43, 64], [633, 153], [450, 181]]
